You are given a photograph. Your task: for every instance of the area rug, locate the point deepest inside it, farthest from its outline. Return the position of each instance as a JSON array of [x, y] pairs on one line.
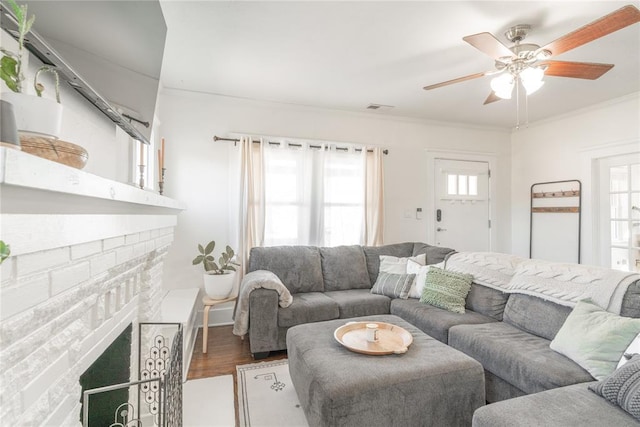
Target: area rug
[[208, 402], [266, 396]]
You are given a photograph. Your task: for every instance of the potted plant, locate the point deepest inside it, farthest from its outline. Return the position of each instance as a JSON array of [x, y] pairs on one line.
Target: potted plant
[[34, 114], [5, 251], [219, 277]]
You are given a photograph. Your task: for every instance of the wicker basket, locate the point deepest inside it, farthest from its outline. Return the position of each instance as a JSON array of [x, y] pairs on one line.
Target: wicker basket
[[54, 149]]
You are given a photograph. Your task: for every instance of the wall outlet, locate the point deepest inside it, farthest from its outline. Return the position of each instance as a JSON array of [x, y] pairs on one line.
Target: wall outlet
[[418, 213], [407, 213]]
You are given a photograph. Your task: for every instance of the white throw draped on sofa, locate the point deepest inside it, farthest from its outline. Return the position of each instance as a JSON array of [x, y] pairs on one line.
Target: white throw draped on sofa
[[252, 281], [562, 283]]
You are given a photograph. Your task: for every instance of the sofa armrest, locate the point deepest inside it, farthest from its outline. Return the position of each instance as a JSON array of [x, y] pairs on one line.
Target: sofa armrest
[[263, 320]]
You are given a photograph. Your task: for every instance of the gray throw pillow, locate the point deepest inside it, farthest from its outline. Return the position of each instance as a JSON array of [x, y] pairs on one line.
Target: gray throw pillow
[[622, 387], [446, 289], [393, 285]]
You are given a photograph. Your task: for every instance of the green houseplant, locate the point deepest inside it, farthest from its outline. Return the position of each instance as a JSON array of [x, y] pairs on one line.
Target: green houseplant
[[34, 114], [5, 251], [219, 277]]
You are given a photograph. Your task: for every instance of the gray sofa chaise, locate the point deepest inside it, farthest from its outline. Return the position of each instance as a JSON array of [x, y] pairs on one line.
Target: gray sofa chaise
[[508, 333]]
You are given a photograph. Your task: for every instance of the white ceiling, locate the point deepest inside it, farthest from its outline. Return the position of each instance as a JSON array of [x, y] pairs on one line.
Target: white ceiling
[[346, 55]]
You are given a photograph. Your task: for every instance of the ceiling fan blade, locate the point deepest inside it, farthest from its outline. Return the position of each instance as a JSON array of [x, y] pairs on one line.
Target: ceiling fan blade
[[488, 44], [601, 27], [458, 80], [577, 70], [491, 98]]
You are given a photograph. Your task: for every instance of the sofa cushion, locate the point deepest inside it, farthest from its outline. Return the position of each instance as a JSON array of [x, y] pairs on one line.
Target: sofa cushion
[[359, 302], [299, 267], [393, 285], [399, 265], [372, 255], [535, 315], [487, 301], [344, 267], [594, 338], [574, 405], [522, 359], [432, 320], [308, 307], [435, 254], [631, 301], [446, 289], [622, 387]]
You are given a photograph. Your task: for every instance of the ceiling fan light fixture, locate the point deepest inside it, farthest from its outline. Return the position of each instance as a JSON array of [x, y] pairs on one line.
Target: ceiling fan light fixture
[[532, 87], [532, 79], [502, 85]]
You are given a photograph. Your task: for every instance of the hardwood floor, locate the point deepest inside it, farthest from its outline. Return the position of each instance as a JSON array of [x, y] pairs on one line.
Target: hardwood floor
[[224, 352]]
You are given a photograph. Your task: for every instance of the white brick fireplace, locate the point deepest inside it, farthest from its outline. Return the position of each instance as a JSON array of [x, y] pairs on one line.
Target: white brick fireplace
[[86, 261]]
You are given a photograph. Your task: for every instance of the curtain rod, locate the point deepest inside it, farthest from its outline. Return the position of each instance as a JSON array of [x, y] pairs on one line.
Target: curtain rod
[[217, 138]]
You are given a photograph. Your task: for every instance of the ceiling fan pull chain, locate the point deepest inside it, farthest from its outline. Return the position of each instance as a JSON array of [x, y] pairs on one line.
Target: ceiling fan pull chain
[[517, 103], [526, 110]]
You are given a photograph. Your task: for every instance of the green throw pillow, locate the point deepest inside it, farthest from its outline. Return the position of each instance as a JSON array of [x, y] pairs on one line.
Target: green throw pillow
[[446, 289], [595, 338], [393, 285], [622, 388]]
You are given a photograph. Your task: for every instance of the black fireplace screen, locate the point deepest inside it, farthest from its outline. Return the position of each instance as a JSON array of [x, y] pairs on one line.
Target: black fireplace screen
[[155, 398]]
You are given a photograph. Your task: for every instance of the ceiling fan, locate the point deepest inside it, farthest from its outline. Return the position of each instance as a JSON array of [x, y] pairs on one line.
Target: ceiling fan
[[528, 63]]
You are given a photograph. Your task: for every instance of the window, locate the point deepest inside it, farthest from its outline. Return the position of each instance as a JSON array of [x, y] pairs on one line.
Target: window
[[462, 185], [313, 197]]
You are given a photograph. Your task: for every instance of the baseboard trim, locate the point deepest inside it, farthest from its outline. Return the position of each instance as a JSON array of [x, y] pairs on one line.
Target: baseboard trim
[[218, 316]]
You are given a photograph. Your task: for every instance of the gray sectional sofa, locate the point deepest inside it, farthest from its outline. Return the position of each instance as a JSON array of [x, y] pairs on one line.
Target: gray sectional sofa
[[326, 284], [508, 333]]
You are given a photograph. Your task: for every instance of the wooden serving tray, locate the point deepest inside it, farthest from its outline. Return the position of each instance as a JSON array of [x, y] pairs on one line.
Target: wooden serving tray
[[392, 339]]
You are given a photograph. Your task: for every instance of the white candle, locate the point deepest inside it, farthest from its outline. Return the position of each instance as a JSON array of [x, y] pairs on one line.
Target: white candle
[[162, 162], [141, 153]]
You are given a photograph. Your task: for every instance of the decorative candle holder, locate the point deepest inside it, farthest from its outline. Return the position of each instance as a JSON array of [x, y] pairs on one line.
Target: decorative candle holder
[[161, 182], [141, 176]]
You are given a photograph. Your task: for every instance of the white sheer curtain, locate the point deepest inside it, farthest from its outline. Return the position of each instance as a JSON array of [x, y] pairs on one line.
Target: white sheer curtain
[[252, 198], [309, 194], [322, 196], [374, 197]]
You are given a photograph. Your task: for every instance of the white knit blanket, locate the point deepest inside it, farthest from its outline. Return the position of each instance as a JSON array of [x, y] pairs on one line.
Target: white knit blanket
[[491, 269], [566, 284], [562, 283], [252, 281]]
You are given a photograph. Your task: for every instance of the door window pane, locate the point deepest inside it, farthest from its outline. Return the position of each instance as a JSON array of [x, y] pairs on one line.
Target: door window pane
[[620, 233], [473, 185], [452, 184], [635, 205], [635, 177], [620, 206], [620, 259], [462, 185], [619, 178]]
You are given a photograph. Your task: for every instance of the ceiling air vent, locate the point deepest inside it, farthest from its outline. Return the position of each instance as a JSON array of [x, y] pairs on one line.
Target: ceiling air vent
[[380, 107]]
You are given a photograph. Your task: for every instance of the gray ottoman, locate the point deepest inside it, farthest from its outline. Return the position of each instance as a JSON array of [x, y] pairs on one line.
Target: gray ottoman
[[430, 385]]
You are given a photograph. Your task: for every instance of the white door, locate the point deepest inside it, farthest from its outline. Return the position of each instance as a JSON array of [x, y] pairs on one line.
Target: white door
[[620, 212], [462, 205]]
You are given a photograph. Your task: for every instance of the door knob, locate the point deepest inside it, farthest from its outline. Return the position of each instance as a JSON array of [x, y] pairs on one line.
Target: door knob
[[441, 229]]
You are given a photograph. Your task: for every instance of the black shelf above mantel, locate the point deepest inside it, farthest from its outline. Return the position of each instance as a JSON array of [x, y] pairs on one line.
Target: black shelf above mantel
[[45, 53]]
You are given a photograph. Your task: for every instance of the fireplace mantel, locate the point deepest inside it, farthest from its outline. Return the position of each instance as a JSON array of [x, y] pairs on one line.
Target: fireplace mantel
[[64, 189], [48, 198]]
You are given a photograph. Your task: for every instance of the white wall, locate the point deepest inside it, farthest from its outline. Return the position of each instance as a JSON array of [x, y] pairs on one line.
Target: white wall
[[565, 148], [199, 172]]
